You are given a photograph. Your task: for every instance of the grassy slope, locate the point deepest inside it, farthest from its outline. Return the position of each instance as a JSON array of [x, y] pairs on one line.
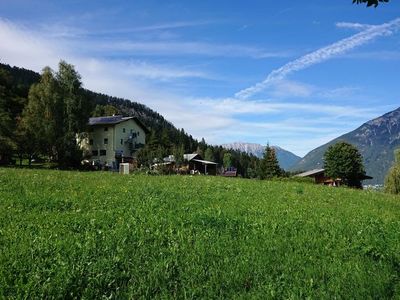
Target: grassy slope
[[69, 234]]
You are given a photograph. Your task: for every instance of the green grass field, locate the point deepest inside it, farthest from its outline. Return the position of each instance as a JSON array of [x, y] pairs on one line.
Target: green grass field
[[94, 235]]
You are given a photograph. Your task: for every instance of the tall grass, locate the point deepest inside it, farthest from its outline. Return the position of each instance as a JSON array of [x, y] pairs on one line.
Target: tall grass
[[94, 235]]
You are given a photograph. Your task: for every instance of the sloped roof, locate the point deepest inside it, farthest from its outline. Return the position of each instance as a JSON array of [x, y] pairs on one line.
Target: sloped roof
[[320, 171], [205, 162], [311, 173], [107, 120], [113, 120], [191, 156]]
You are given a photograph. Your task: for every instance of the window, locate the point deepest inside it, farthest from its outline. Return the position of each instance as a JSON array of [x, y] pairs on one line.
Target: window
[[105, 141], [122, 141], [123, 130], [138, 133], [131, 130], [105, 128], [91, 142], [103, 152], [95, 152]]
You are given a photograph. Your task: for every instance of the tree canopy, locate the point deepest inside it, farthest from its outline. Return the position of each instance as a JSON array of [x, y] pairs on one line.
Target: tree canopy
[[55, 113], [343, 160], [370, 2], [269, 165], [42, 114], [392, 180]]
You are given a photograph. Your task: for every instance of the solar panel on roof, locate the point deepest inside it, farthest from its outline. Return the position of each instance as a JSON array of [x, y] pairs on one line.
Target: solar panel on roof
[[105, 120]]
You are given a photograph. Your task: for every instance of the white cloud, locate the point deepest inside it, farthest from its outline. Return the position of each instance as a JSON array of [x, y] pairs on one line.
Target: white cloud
[[169, 48], [19, 46], [287, 124], [142, 70], [341, 92], [290, 88], [32, 50], [66, 31], [156, 27], [321, 55], [236, 106], [354, 26]]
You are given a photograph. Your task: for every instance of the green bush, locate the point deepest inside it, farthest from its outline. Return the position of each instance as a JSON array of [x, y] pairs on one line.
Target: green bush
[[392, 180]]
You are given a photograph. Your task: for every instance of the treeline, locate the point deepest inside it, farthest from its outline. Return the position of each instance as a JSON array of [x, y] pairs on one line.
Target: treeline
[[44, 118], [41, 114]]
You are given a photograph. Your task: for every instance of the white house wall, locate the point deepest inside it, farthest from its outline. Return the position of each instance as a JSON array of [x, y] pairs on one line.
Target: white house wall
[[114, 134]]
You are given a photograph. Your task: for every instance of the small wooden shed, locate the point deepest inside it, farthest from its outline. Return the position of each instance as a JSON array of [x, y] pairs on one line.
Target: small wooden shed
[[196, 163], [320, 178]]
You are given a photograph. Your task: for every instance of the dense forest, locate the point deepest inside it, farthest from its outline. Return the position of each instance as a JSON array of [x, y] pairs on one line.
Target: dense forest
[[40, 115]]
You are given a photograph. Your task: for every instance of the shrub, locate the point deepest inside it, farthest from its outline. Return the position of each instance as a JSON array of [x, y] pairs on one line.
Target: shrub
[[392, 180]]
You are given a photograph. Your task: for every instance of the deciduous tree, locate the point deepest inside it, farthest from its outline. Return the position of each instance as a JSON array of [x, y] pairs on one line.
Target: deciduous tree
[[41, 122], [7, 124], [208, 154], [227, 160], [56, 113], [392, 180], [370, 2], [343, 160]]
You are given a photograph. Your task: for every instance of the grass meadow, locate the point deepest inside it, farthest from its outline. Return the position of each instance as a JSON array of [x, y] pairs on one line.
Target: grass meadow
[[102, 235]]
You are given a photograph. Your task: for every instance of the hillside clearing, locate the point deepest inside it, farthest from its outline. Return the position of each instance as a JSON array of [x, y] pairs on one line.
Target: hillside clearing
[[93, 235]]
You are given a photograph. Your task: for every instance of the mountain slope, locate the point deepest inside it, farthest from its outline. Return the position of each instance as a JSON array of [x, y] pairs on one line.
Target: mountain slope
[[286, 158], [167, 137], [376, 140], [21, 80]]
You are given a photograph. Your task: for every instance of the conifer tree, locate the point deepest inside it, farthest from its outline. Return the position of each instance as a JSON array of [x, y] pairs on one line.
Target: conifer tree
[[178, 152], [269, 165], [165, 142]]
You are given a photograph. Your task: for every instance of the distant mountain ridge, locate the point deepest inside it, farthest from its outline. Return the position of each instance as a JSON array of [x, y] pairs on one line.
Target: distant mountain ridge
[[376, 140], [286, 158]]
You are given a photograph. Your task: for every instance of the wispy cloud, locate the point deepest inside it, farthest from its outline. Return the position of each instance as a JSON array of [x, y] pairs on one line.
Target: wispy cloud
[[322, 54], [354, 26], [145, 70], [289, 88], [152, 40], [182, 48], [48, 51], [163, 26], [295, 126], [341, 92], [63, 30], [375, 55], [19, 45], [236, 106]]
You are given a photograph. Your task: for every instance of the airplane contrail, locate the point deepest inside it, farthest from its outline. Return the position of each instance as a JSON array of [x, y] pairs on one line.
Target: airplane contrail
[[321, 55]]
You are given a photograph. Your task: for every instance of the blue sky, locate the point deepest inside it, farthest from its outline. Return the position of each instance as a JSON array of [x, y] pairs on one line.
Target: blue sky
[[292, 74]]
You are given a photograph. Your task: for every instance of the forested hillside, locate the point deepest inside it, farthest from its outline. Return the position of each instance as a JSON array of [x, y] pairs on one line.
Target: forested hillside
[[16, 85]]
